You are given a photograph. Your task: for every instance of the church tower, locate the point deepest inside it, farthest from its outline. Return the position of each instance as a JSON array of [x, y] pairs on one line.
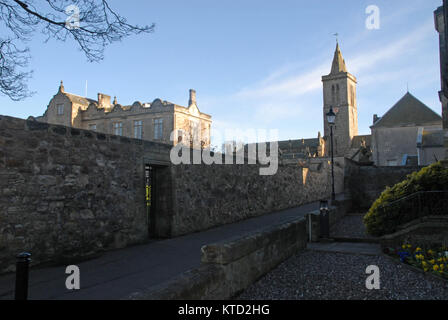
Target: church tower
[[340, 94]]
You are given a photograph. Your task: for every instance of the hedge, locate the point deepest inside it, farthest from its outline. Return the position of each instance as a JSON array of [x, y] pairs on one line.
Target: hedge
[[379, 222]]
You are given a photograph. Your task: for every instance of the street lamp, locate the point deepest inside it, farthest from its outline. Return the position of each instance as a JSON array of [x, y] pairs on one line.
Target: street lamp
[[331, 119]]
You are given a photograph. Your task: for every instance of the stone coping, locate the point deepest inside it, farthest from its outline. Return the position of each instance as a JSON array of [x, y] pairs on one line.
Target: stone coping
[[427, 221], [227, 251]]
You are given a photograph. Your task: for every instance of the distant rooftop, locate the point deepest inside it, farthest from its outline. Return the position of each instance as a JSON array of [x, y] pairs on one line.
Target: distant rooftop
[[408, 111]]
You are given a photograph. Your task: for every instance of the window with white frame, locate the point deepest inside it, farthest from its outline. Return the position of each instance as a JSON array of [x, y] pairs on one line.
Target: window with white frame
[[138, 129], [92, 127], [118, 128], [60, 109], [158, 129]]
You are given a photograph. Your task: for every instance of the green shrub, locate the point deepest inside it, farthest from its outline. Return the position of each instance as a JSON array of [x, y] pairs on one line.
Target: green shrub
[[379, 222]]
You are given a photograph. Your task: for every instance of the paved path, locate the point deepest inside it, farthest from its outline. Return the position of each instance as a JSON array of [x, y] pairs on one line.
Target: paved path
[[349, 231], [351, 227], [117, 274]]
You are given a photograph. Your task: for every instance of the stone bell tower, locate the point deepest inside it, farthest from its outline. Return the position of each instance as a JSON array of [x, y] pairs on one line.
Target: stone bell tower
[[340, 94]]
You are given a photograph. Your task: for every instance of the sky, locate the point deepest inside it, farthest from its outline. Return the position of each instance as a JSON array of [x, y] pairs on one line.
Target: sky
[[254, 64]]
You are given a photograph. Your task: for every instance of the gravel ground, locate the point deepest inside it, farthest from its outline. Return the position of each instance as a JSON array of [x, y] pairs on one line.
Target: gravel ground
[[350, 226], [334, 276]]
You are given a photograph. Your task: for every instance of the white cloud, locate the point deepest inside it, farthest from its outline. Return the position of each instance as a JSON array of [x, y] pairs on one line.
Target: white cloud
[[287, 87], [293, 86], [293, 92], [394, 49]]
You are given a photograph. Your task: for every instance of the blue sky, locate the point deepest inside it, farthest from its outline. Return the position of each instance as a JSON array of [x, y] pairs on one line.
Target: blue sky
[[254, 64]]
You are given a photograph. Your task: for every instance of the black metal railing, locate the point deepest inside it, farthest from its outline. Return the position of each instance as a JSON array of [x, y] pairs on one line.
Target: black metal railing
[[415, 206]]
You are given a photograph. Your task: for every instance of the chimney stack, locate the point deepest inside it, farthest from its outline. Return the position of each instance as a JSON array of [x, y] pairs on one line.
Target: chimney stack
[[192, 98], [375, 118], [104, 101]]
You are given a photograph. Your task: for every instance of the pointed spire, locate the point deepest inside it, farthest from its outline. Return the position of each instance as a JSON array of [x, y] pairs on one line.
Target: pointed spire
[[338, 62], [61, 87]]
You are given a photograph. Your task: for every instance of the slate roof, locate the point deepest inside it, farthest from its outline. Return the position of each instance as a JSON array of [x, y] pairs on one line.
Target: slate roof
[[79, 100], [408, 111], [298, 144]]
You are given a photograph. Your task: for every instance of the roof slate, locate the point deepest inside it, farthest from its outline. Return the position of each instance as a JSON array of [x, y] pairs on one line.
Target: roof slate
[[408, 111]]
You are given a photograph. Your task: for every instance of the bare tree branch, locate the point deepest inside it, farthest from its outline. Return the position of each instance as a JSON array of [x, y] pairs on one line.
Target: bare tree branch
[[96, 27]]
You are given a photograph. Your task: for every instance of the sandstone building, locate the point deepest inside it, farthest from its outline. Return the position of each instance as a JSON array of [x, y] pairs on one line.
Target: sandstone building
[[339, 93], [339, 89], [148, 121], [408, 134]]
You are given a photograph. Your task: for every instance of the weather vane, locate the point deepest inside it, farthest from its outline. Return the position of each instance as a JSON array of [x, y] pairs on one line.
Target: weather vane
[[336, 35]]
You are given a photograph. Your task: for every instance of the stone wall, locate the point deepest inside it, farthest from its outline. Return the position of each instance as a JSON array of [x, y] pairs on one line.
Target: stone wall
[[84, 113], [364, 184], [426, 232], [211, 195], [67, 193], [230, 266]]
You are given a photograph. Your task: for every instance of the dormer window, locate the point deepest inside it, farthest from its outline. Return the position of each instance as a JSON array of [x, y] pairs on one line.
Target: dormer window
[[60, 109]]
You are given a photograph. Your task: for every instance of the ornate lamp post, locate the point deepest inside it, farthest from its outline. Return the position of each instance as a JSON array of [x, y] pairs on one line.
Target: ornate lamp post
[[331, 119]]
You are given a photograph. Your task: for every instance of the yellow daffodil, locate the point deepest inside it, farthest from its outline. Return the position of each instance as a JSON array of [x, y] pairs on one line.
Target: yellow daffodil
[[403, 246], [440, 260], [418, 249], [432, 261], [409, 246], [442, 266], [424, 263], [435, 267], [425, 269], [430, 252]]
